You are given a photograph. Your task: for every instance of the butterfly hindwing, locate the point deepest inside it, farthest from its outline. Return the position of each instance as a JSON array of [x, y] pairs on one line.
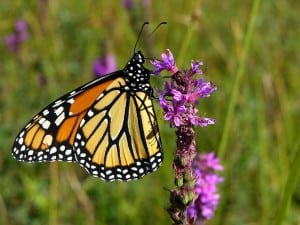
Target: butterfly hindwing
[[113, 149]]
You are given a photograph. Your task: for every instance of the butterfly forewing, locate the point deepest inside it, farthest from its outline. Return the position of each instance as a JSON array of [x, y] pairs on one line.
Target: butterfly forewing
[[108, 126], [50, 135]]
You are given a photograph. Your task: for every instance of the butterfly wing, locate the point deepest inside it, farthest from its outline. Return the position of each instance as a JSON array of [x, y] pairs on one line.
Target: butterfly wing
[[107, 129], [118, 137], [50, 135]]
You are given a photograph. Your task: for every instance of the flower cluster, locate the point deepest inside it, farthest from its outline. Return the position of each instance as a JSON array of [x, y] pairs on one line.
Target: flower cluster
[[204, 167], [14, 40], [104, 65], [185, 92], [195, 185]]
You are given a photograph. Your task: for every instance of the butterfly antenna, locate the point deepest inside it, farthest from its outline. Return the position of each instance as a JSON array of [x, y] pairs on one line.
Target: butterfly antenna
[[162, 23], [140, 33]]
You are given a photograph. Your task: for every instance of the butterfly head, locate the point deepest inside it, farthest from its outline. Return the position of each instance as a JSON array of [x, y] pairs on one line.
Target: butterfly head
[[136, 75]]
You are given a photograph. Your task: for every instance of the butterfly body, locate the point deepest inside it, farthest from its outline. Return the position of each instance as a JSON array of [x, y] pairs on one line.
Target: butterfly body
[[108, 126]]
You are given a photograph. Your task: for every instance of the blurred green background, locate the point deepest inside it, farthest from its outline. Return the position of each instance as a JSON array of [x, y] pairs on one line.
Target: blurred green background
[[256, 135]]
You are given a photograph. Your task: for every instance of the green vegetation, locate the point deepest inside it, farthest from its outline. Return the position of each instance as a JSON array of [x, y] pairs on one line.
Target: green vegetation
[[251, 52]]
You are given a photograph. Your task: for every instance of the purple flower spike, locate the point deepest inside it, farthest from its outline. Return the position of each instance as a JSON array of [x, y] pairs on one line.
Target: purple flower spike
[[167, 63], [14, 40], [204, 167], [195, 180], [104, 65]]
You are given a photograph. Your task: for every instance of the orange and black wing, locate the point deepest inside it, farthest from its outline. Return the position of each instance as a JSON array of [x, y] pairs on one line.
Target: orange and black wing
[[110, 131]]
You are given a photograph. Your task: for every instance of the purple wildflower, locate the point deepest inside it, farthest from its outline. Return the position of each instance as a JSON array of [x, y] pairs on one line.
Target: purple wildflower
[[184, 92], [178, 100], [204, 167], [167, 63], [104, 65], [128, 4], [21, 29], [14, 40]]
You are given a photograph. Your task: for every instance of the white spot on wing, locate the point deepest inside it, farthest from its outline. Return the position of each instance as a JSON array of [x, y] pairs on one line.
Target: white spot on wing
[[82, 122], [71, 100], [21, 134], [154, 165], [48, 139], [111, 177], [60, 119], [100, 96], [46, 124], [57, 103], [42, 120], [45, 112], [53, 150], [134, 175], [68, 152], [59, 110], [90, 113], [21, 141], [30, 152]]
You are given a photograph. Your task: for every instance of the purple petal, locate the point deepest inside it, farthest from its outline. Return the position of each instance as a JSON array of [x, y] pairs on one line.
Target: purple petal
[[163, 103], [203, 122], [205, 88], [195, 67], [167, 63], [178, 97]]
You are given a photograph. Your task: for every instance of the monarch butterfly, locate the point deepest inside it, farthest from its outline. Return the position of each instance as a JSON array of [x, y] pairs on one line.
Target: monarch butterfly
[[108, 126]]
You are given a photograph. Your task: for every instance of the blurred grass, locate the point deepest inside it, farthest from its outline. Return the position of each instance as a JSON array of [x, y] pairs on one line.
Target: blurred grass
[[261, 157]]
